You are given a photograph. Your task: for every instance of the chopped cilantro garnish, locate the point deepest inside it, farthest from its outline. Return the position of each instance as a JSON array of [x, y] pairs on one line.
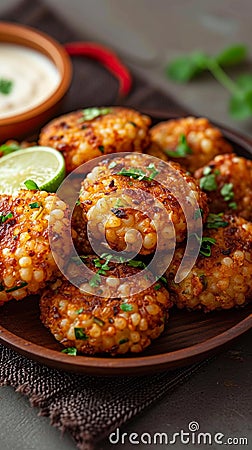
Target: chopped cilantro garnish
[[216, 221], [101, 148], [18, 286], [72, 351], [6, 217], [206, 244], [139, 264], [31, 185], [126, 307], [35, 205], [79, 311], [153, 170], [157, 287], [6, 149], [6, 86], [182, 148], [208, 181], [232, 205], [123, 341], [198, 213], [227, 192], [80, 334], [95, 280], [133, 124], [138, 174], [78, 202], [93, 113]]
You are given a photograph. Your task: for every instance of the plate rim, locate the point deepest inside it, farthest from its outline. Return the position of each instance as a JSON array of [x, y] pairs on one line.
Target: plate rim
[[139, 364]]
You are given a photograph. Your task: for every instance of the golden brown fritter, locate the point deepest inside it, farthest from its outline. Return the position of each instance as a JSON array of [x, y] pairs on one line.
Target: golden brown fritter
[[94, 324], [227, 180], [223, 279], [117, 213], [26, 260], [84, 135], [203, 141]]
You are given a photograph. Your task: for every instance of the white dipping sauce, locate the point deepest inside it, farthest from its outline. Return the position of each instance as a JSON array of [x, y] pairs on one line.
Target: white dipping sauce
[[34, 78]]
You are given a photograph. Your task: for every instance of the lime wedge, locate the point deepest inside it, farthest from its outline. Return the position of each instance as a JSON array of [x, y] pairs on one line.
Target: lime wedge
[[44, 165]]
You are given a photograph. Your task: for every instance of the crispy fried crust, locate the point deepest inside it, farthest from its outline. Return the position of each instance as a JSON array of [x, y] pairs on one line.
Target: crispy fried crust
[[222, 280], [26, 260], [108, 325], [104, 181], [202, 137], [237, 171], [79, 140]]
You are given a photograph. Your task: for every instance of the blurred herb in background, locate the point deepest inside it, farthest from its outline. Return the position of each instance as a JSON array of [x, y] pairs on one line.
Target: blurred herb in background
[[185, 68]]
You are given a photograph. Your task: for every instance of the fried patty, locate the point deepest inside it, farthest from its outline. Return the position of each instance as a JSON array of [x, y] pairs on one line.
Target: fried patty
[[26, 260], [122, 215], [203, 142], [223, 279], [85, 134], [227, 180], [95, 324]]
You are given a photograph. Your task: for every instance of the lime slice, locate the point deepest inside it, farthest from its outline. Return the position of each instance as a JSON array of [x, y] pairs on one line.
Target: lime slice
[[44, 165]]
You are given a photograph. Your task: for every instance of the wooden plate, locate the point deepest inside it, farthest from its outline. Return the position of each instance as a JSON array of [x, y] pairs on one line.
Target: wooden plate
[[189, 337]]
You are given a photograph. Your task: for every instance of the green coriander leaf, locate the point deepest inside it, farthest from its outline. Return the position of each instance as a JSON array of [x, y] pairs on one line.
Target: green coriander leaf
[[182, 149], [206, 243], [80, 334], [157, 287], [123, 341], [6, 149], [245, 82], [93, 113], [208, 183], [232, 55], [186, 67], [216, 221], [72, 351], [101, 148], [6, 86], [31, 185], [79, 311], [227, 191], [137, 174], [78, 203], [139, 264], [232, 205], [6, 217], [198, 213], [240, 105], [35, 205], [95, 280], [154, 172], [126, 307]]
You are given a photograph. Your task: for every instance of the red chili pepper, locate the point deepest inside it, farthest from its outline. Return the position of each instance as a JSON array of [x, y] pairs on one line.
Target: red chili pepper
[[107, 58]]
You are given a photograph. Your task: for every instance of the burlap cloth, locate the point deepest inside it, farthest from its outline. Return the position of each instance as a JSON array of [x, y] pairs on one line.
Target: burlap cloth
[[89, 408]]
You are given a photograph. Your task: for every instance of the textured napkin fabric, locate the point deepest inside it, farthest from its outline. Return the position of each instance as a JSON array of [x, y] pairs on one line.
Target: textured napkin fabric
[[89, 408]]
